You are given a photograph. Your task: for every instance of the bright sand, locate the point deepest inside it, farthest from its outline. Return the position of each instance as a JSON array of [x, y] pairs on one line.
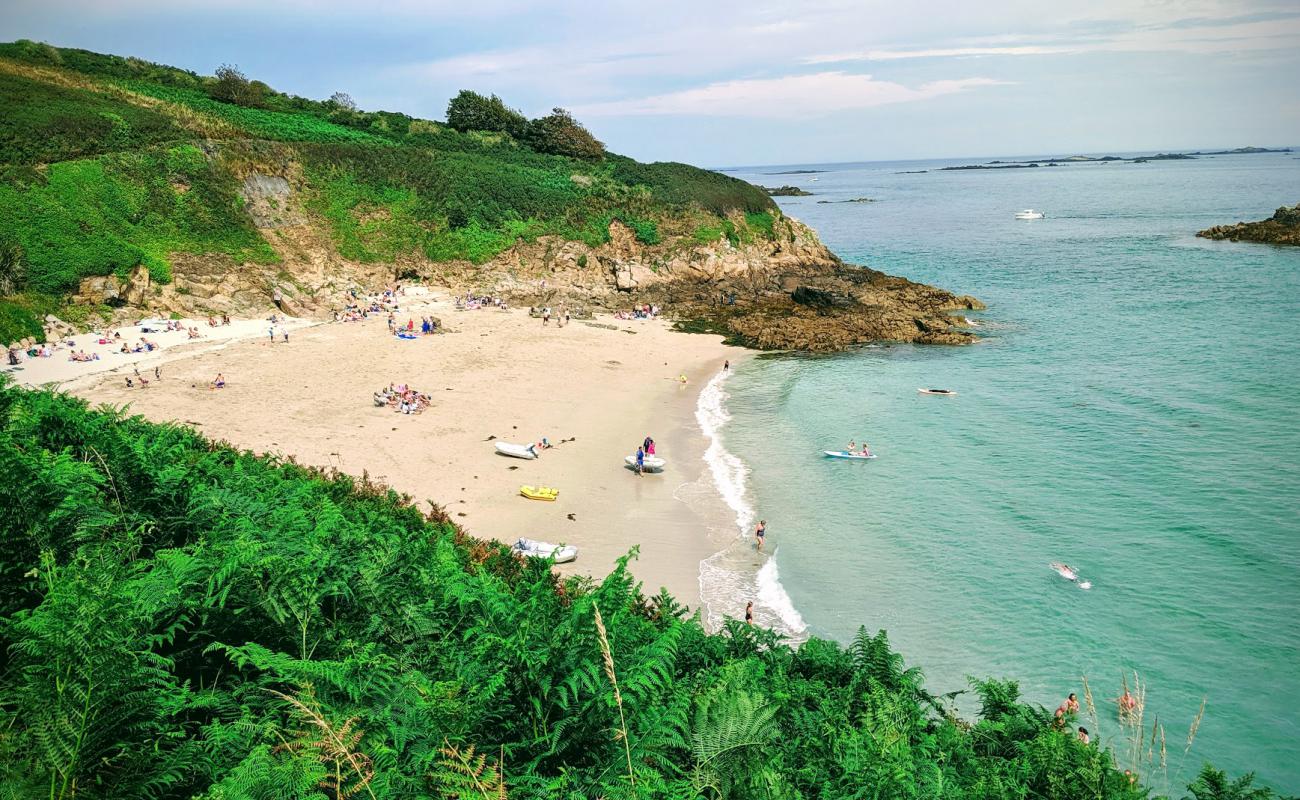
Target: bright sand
[[493, 373]]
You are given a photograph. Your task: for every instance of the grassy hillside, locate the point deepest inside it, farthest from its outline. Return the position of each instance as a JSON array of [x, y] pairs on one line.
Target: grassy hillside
[[110, 162], [182, 620]]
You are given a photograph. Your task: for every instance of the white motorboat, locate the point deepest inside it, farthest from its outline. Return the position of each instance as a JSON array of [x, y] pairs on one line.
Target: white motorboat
[[1029, 213], [942, 392], [847, 454], [532, 548], [652, 463], [528, 451]]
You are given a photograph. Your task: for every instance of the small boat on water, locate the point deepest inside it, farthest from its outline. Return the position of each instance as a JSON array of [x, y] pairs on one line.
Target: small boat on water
[[848, 455], [532, 548], [652, 463], [539, 492], [1029, 213], [528, 451], [944, 392]]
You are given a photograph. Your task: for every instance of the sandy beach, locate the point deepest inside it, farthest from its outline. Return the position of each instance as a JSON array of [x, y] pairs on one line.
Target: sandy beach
[[594, 389]]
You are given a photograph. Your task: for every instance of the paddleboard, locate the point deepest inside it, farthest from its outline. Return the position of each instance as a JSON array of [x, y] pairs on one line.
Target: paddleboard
[[847, 455]]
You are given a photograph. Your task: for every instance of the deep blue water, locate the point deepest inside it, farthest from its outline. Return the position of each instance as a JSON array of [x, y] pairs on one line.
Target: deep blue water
[[1131, 411]]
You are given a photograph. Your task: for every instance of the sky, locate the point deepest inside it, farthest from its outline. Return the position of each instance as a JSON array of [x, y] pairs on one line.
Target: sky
[[726, 82]]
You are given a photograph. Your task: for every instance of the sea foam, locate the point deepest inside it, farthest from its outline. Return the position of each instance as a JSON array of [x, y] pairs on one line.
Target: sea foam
[[727, 578]]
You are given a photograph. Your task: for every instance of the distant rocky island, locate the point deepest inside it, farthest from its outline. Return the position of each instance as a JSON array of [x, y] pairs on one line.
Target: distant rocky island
[[1058, 162], [785, 191], [1281, 228], [852, 200]]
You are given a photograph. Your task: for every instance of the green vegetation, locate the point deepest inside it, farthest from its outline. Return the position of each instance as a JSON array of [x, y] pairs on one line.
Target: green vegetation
[[17, 322], [471, 111], [560, 134], [107, 214], [183, 620], [110, 162]]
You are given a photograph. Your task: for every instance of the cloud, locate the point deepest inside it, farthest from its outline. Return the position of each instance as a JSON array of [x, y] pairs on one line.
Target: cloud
[[1186, 35], [950, 52], [817, 94]]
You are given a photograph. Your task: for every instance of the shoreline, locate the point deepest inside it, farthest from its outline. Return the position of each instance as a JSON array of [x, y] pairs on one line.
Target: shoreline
[[595, 391]]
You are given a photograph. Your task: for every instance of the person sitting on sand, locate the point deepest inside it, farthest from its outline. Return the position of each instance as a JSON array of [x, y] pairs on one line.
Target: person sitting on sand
[[130, 384], [219, 382]]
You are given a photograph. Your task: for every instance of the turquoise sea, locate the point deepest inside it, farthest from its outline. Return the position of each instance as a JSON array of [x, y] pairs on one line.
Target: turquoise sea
[[1131, 411]]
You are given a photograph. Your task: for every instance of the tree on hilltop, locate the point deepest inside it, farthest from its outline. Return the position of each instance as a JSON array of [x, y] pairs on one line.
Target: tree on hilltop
[[471, 111], [559, 133], [232, 86], [342, 100]]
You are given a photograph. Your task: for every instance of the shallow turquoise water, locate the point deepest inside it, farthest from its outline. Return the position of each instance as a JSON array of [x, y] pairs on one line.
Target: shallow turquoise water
[[1131, 412]]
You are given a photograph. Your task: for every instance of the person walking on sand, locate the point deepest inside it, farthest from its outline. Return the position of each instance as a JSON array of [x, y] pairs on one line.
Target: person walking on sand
[[726, 365], [285, 333], [749, 613], [760, 533], [271, 332]]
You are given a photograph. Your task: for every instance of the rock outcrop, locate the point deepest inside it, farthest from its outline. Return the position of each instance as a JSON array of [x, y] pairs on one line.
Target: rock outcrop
[[789, 292], [1282, 228]]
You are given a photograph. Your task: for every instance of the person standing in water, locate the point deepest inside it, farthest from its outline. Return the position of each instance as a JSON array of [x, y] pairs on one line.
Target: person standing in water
[[749, 613], [726, 367], [760, 533]]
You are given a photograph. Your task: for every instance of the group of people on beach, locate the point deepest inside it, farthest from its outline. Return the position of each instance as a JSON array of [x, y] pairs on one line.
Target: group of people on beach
[[647, 448], [141, 380], [428, 325], [214, 322], [646, 311], [402, 399], [471, 302], [562, 316], [360, 308]]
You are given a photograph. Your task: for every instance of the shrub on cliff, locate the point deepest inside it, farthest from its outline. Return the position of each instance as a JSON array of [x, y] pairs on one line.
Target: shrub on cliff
[[560, 134], [471, 111], [232, 86]]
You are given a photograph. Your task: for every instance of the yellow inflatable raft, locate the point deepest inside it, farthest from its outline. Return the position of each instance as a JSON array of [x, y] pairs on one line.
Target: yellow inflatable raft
[[539, 492]]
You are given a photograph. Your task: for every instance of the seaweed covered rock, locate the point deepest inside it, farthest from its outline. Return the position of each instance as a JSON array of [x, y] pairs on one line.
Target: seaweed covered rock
[[1282, 228]]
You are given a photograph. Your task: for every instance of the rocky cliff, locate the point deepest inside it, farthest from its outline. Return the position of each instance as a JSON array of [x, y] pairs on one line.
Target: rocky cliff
[[785, 290], [1281, 228]]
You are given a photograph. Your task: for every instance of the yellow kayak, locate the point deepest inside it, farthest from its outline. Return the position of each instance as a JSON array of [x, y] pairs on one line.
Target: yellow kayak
[[539, 492]]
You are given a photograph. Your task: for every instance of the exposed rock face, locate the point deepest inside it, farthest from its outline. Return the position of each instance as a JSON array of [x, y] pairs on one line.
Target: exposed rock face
[[787, 293], [1282, 228], [110, 290], [783, 292]]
